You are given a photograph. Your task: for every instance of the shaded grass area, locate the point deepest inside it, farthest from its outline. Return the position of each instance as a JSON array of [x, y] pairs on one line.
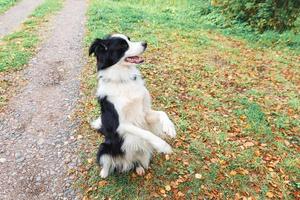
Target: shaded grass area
[[211, 17], [6, 4], [236, 108], [17, 48]]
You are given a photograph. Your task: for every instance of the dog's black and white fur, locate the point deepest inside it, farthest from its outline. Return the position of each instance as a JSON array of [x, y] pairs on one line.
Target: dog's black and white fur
[[131, 128]]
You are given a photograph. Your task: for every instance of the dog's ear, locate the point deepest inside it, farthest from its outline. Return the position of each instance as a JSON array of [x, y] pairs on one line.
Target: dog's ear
[[97, 47]]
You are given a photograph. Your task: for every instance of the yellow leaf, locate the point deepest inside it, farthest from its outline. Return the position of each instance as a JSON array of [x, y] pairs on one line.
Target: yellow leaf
[[248, 144], [180, 194], [269, 194], [102, 183], [232, 173], [85, 198], [244, 171], [162, 191], [198, 176], [167, 157], [168, 187]]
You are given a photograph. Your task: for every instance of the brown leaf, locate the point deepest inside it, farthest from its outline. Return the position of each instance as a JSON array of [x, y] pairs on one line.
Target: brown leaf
[[85, 198], [248, 144], [244, 171], [180, 194], [102, 183], [162, 191], [232, 173], [257, 153]]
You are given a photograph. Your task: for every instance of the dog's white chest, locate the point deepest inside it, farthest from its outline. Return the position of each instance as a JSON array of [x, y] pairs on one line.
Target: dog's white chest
[[128, 99]]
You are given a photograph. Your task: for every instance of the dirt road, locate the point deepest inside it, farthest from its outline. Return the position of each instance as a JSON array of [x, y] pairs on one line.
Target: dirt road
[[14, 17], [37, 141]]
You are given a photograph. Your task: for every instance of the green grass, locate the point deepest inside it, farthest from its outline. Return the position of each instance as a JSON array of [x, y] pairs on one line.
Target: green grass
[[6, 4], [17, 48], [237, 120]]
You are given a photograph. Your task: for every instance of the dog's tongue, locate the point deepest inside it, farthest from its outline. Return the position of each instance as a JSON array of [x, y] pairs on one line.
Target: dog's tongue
[[134, 59]]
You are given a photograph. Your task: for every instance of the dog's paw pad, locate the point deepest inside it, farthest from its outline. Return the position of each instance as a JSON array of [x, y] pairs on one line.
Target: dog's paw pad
[[140, 171]]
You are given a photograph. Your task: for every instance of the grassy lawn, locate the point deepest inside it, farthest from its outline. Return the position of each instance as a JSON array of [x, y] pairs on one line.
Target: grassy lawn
[[17, 48], [6, 4], [236, 108]]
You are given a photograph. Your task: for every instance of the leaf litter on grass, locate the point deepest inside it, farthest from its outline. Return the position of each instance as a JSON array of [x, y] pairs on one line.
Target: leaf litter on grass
[[233, 105]]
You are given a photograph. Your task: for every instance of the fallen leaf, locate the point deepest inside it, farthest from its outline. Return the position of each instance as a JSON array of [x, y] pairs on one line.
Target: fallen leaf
[[168, 187], [198, 176], [270, 194], [85, 198], [244, 171], [248, 144], [148, 176], [232, 173], [257, 153], [162, 191], [180, 194], [102, 183], [167, 157]]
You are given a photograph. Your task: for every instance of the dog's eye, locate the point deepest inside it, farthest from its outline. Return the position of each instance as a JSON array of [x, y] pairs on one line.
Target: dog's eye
[[123, 45], [128, 38]]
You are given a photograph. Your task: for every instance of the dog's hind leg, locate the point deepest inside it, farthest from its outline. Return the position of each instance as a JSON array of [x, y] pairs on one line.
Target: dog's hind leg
[[96, 124], [106, 162], [160, 123], [144, 159]]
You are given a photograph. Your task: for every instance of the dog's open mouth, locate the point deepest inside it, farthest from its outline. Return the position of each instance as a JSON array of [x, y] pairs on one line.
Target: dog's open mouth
[[134, 59]]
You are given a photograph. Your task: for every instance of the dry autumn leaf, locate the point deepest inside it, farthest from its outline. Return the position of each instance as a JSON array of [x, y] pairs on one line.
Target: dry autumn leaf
[[162, 191], [233, 173], [102, 183], [168, 187], [248, 144], [85, 198], [167, 157], [198, 176], [270, 194], [180, 194]]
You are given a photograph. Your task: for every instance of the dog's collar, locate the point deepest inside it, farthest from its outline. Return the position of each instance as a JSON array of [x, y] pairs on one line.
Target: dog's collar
[[135, 77]]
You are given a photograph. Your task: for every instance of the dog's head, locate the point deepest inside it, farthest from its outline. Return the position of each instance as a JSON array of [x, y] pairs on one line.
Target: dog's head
[[117, 49]]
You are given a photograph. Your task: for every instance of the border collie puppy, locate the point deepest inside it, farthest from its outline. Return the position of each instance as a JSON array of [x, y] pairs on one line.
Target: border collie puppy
[[131, 128]]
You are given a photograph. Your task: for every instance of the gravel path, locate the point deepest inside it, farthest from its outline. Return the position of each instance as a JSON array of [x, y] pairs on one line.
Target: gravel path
[[37, 141], [14, 17]]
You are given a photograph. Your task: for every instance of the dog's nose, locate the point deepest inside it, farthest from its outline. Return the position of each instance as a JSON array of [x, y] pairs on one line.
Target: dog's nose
[[144, 44]]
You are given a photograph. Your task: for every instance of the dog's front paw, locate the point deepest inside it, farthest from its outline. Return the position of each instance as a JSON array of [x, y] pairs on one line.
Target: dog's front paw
[[165, 148], [104, 173], [96, 124], [168, 127]]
